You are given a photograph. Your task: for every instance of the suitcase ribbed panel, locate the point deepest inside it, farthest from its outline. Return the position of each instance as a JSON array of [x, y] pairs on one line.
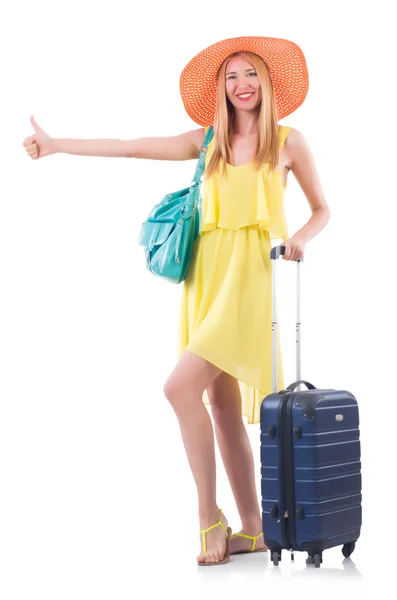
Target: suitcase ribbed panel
[[327, 468]]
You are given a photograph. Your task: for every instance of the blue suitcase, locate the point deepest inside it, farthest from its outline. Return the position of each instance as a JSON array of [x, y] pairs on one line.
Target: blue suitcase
[[310, 461]]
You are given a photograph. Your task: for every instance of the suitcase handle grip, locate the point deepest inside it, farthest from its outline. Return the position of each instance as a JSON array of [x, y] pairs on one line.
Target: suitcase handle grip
[[278, 251], [294, 385]]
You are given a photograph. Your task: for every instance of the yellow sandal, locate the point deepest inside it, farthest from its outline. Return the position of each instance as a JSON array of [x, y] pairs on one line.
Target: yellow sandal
[[253, 538], [228, 533]]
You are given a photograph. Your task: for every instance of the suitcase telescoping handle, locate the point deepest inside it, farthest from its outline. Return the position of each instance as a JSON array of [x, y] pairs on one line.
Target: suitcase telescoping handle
[[275, 253]]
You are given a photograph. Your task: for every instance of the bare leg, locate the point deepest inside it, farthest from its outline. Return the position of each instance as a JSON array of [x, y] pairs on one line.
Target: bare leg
[[184, 389], [225, 398]]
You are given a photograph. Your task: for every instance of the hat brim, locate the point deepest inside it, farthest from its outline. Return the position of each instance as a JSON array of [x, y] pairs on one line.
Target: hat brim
[[284, 59]]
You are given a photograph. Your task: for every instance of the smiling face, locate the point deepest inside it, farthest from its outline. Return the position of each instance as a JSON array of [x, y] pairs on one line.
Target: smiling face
[[241, 78]]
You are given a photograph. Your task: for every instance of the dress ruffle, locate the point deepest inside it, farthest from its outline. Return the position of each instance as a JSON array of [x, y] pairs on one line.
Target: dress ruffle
[[266, 210], [210, 210], [270, 204], [235, 201]]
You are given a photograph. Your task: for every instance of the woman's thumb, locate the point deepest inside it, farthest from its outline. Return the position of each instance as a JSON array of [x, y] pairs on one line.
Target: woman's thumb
[[33, 122]]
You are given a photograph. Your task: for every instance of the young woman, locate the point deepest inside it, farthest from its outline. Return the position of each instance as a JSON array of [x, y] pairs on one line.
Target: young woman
[[242, 86]]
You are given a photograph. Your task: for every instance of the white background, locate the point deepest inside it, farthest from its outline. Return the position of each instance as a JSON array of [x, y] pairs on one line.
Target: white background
[[97, 499]]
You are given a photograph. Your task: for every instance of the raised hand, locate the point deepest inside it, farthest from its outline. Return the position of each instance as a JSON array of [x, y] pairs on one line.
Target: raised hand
[[39, 144]]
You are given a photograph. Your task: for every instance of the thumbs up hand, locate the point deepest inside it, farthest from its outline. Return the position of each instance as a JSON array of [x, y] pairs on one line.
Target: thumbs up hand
[[39, 144]]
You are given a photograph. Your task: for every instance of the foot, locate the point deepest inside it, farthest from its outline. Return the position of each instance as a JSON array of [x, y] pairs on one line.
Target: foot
[[240, 544], [215, 540]]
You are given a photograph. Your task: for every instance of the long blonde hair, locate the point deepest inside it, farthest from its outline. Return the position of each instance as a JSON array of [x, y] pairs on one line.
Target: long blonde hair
[[267, 149]]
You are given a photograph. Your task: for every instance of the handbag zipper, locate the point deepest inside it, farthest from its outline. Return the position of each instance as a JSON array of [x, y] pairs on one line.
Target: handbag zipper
[[178, 241], [179, 235]]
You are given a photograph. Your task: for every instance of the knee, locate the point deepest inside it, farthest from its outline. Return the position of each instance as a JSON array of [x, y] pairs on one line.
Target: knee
[[225, 418], [220, 401], [226, 414], [169, 389], [219, 412], [173, 391]]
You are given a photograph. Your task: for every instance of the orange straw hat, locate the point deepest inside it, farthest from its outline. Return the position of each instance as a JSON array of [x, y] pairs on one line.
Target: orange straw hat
[[284, 59]]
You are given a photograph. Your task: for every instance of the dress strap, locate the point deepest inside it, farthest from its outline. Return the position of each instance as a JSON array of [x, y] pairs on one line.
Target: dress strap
[[283, 134]]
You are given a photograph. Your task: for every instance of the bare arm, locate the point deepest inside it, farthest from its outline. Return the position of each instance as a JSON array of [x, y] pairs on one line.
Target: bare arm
[[100, 147], [178, 147], [305, 172]]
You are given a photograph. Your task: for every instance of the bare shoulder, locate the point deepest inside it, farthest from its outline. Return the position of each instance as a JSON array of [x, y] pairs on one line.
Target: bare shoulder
[[296, 146], [294, 138], [197, 138]]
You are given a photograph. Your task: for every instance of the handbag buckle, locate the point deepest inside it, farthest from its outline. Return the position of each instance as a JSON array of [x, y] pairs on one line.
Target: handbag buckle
[[147, 252]]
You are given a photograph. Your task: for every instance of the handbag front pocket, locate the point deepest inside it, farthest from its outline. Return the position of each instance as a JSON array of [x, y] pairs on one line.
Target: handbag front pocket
[[154, 233]]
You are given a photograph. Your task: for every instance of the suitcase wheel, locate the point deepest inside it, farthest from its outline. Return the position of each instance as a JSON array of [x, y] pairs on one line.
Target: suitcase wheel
[[315, 559], [348, 549], [276, 557]]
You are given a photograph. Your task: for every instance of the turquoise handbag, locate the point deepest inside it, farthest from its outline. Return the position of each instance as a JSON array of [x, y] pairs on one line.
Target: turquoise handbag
[[173, 226]]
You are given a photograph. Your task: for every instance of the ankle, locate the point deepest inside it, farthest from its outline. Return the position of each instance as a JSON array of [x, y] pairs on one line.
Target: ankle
[[209, 517], [253, 526]]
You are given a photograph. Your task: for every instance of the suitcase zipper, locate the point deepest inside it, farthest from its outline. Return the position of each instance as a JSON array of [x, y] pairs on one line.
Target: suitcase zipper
[[287, 475], [283, 495]]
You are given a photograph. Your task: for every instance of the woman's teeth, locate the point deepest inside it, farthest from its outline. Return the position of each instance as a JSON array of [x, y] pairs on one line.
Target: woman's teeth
[[245, 96]]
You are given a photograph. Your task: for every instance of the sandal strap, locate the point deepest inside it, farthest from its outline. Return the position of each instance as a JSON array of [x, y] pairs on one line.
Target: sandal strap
[[205, 531], [250, 537]]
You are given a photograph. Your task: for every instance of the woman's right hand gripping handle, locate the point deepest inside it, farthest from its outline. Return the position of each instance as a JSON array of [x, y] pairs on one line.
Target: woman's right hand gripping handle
[[39, 144]]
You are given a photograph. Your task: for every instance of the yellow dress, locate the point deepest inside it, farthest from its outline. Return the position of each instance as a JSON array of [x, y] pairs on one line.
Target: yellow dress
[[226, 303]]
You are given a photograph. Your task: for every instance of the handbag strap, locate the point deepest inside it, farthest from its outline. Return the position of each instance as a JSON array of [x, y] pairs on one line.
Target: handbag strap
[[194, 199], [201, 161]]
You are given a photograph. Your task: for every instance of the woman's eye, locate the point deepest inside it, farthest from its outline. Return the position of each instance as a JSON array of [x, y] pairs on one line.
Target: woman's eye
[[251, 73]]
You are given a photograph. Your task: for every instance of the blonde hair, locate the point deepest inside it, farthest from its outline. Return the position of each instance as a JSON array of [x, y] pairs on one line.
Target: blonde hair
[[267, 149]]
